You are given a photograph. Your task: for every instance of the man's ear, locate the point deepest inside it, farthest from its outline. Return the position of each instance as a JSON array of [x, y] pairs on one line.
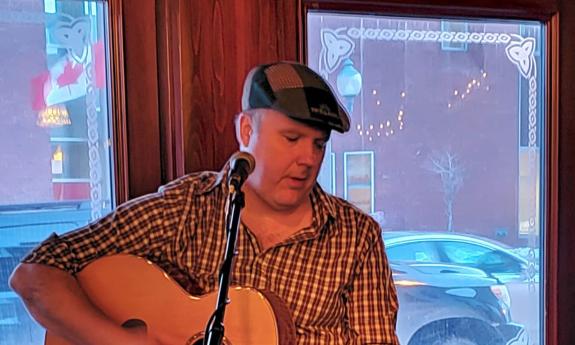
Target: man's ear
[[244, 130]]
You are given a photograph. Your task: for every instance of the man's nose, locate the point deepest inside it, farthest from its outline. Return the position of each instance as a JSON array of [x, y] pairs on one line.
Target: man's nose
[[307, 154]]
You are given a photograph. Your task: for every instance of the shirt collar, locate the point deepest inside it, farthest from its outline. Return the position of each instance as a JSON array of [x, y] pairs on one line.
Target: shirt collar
[[322, 203], [210, 180], [323, 207]]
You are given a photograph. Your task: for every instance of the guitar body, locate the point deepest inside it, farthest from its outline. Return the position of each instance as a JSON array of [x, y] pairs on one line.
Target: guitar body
[[128, 288]]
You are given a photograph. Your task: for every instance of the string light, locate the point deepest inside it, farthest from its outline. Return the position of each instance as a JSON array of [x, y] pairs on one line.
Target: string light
[[472, 85], [388, 127]]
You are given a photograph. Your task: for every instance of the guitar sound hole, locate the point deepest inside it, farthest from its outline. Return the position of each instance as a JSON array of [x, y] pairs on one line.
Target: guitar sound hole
[[134, 323]]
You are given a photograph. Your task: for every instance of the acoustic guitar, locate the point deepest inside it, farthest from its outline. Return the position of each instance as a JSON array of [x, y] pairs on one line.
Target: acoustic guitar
[[133, 291]]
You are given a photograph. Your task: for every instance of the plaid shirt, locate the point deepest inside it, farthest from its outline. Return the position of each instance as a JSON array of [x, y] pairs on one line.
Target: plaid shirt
[[333, 276]]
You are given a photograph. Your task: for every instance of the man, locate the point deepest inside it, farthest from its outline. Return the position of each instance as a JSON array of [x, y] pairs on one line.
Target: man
[[323, 257]]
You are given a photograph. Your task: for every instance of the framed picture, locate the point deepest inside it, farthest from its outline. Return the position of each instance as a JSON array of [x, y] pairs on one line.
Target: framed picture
[[358, 179]]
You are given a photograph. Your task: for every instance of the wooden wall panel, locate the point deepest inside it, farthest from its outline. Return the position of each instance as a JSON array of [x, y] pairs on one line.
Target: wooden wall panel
[[218, 41], [142, 124], [498, 8], [565, 269]]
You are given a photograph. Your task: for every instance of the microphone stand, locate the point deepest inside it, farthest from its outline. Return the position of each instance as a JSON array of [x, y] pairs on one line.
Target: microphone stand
[[214, 333]]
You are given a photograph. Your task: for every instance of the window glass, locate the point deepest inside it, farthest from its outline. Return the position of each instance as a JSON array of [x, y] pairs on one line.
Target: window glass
[[418, 252], [465, 253], [54, 132], [447, 123], [490, 260]]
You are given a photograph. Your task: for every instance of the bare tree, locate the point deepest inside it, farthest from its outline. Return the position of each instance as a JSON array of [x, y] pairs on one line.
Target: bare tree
[[448, 166]]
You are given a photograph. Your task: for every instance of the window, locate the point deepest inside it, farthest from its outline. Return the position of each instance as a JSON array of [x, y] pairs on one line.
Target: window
[[455, 34], [451, 112], [417, 252], [487, 259], [55, 134], [465, 254]]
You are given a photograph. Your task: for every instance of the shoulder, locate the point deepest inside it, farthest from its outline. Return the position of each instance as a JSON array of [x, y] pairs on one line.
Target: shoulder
[[195, 183], [350, 218], [173, 195]]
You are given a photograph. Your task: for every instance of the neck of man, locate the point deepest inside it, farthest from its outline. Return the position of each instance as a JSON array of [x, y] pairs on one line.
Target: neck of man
[[272, 225]]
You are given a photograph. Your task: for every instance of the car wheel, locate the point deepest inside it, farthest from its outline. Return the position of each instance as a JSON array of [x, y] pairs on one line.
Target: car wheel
[[454, 340]]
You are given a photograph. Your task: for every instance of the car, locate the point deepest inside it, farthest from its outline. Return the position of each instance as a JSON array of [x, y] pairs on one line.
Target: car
[[443, 304], [22, 227], [520, 276]]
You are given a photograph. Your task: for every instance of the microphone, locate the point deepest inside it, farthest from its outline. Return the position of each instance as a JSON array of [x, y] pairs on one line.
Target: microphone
[[241, 165]]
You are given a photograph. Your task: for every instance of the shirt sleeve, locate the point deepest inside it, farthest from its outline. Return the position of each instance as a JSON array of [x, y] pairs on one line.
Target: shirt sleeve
[[136, 227], [372, 304]]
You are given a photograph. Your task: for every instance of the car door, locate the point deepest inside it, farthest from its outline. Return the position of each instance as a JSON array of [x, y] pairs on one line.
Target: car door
[[507, 269]]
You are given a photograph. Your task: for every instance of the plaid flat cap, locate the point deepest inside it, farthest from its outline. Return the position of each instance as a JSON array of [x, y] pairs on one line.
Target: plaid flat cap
[[297, 91]]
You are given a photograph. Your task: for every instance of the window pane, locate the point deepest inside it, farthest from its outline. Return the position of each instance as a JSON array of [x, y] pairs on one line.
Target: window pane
[[54, 133], [445, 149], [464, 253], [415, 252]]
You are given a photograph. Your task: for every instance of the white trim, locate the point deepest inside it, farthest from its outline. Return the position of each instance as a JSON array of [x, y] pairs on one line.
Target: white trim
[[68, 140], [71, 180]]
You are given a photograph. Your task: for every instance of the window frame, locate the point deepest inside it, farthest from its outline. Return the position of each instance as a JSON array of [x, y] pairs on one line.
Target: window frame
[[545, 12]]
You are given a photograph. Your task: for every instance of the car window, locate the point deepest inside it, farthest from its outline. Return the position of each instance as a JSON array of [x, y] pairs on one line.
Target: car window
[[416, 251], [486, 259]]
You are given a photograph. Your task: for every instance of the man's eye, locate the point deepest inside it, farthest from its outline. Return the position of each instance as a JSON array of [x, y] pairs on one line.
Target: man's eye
[[291, 138]]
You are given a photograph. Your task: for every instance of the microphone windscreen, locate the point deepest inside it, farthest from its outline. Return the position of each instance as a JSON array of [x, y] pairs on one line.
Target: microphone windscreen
[[246, 158]]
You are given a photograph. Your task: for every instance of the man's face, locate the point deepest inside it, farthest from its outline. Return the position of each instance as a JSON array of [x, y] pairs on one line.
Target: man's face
[[288, 156]]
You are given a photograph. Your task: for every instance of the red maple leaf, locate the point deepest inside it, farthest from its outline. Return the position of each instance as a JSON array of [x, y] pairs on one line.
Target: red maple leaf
[[70, 74]]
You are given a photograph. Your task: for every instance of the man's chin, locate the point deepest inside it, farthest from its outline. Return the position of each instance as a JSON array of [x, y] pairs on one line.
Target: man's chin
[[287, 203]]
